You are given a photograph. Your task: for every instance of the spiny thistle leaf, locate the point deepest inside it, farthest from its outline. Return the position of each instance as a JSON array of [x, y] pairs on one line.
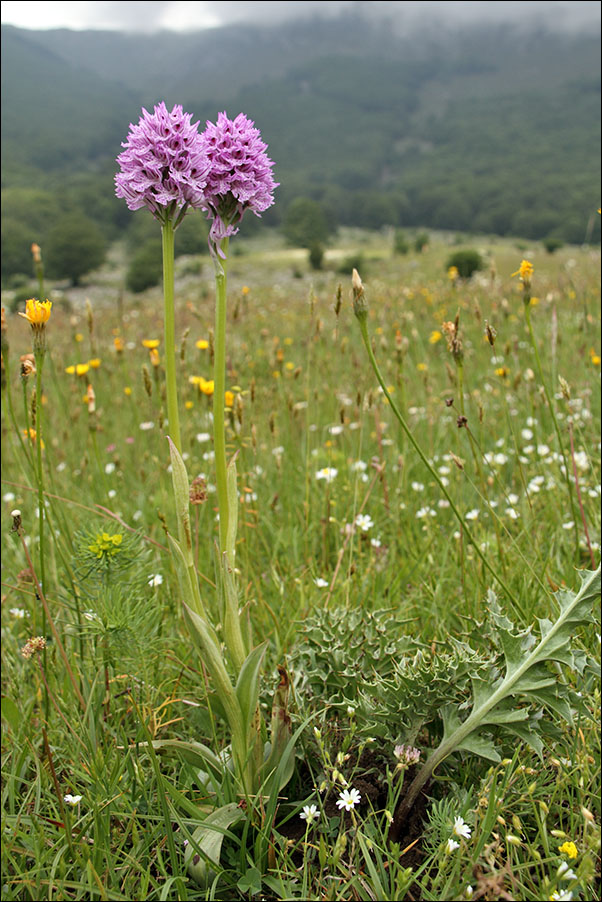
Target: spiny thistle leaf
[[526, 678]]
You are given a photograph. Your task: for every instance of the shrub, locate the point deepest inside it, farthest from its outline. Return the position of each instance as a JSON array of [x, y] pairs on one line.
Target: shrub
[[466, 261], [552, 244], [74, 247], [400, 243], [145, 270], [316, 256], [421, 241]]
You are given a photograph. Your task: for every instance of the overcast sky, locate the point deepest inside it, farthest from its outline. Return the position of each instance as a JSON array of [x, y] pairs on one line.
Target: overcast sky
[[188, 16]]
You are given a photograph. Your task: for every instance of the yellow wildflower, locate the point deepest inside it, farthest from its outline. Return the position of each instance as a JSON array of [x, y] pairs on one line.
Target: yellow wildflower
[[452, 273], [435, 336], [524, 271], [245, 289], [78, 336], [36, 253], [595, 358], [118, 342], [188, 405], [154, 357], [534, 302], [150, 343], [502, 371], [127, 391], [569, 848], [202, 344], [289, 365], [37, 313], [206, 386], [77, 369], [288, 341], [229, 398], [94, 363], [421, 367]]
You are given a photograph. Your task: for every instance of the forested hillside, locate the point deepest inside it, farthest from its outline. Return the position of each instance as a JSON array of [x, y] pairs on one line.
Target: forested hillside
[[488, 130]]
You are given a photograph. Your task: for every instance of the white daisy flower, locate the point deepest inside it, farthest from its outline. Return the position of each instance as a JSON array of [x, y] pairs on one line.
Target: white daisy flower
[[348, 799], [310, 813]]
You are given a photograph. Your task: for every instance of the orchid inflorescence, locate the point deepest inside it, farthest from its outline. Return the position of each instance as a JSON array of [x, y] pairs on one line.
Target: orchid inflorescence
[[168, 166]]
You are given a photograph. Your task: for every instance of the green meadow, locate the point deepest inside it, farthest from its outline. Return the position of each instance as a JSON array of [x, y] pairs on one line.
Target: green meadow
[[384, 589]]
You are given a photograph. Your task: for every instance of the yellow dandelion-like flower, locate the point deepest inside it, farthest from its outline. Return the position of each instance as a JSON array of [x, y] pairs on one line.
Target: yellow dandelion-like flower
[[94, 363], [151, 343], [524, 271], [435, 336], [207, 386], [79, 336], [154, 357], [502, 371], [127, 391], [202, 344], [118, 343], [595, 358], [452, 274], [421, 367], [569, 848], [81, 369], [188, 405], [229, 398], [37, 313]]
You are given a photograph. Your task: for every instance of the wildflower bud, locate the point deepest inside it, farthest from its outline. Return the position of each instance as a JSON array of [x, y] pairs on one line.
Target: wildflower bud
[[36, 253], [543, 806], [461, 421], [16, 515], [360, 307], [513, 840], [587, 814], [517, 824], [91, 399], [317, 734]]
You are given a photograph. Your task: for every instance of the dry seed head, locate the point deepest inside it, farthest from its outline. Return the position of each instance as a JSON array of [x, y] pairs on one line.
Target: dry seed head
[[148, 386], [33, 645], [565, 388], [4, 333], [198, 490], [183, 344], [339, 299]]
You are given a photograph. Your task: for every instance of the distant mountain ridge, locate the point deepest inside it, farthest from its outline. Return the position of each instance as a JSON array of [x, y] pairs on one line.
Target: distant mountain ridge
[[489, 129]]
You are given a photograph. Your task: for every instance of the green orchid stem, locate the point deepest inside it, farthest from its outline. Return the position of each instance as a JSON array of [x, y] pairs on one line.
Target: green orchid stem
[[173, 416], [361, 318], [219, 390], [527, 303], [479, 714]]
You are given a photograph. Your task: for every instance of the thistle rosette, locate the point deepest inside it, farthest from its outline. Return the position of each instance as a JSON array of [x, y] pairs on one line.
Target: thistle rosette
[[240, 174], [164, 165]]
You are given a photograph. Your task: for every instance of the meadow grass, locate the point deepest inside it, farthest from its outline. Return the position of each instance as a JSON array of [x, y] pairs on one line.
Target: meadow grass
[[317, 448]]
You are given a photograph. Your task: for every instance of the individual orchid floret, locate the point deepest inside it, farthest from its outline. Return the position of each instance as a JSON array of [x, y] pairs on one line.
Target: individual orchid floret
[[240, 175], [164, 165]]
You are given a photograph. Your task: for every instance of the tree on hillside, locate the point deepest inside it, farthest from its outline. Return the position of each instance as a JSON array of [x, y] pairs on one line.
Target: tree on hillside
[[75, 246], [305, 223]]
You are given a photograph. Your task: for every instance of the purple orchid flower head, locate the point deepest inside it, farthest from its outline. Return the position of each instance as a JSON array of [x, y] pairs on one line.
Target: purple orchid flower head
[[164, 165], [240, 175]]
